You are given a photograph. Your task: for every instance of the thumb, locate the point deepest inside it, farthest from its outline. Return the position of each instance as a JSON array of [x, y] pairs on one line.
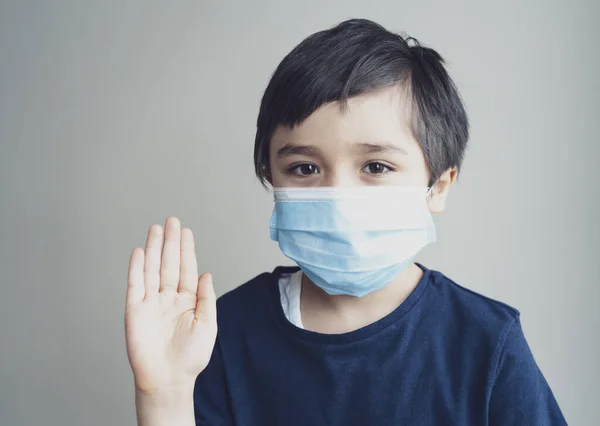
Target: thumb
[[206, 300]]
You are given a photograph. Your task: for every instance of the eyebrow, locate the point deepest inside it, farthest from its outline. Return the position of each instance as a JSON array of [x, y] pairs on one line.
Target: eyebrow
[[294, 149], [379, 147]]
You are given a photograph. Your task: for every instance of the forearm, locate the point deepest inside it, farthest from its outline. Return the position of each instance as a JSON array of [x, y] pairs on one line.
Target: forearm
[[169, 408]]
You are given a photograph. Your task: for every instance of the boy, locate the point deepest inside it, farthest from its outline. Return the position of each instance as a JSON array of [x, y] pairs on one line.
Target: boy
[[361, 133]]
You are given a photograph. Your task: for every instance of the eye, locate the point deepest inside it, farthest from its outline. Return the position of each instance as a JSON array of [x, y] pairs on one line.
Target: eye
[[376, 168], [304, 169]]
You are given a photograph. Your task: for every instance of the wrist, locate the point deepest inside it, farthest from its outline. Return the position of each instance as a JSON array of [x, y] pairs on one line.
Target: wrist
[[173, 406], [170, 396]]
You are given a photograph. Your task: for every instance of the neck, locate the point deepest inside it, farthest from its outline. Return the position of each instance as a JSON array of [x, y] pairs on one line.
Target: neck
[[324, 313]]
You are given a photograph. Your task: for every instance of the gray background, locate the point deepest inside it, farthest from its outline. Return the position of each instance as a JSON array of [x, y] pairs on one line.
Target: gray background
[[114, 115]]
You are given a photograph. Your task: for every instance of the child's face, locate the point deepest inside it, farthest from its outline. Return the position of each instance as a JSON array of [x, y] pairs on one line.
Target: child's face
[[367, 144]]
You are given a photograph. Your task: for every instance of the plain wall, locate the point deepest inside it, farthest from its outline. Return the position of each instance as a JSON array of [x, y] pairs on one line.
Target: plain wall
[[115, 115]]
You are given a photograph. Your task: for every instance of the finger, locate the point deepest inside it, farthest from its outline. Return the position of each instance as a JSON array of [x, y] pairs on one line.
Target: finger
[[206, 301], [135, 278], [169, 268], [154, 244], [188, 280]]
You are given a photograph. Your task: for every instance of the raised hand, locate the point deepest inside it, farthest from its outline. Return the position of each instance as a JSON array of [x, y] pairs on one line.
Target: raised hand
[[170, 312]]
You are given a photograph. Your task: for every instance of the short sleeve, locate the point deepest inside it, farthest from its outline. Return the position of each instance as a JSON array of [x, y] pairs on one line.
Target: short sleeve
[[211, 404], [520, 394]]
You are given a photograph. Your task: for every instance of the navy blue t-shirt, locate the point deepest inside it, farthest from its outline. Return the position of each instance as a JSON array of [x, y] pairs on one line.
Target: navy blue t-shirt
[[445, 356]]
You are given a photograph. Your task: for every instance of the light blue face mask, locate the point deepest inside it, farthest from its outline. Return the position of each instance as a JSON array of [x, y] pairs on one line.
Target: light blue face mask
[[352, 240]]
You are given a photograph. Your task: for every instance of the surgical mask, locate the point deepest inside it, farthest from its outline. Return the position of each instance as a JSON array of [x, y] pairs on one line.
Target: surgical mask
[[354, 240]]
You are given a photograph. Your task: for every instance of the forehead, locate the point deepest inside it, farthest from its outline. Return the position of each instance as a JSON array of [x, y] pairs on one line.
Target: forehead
[[380, 115]]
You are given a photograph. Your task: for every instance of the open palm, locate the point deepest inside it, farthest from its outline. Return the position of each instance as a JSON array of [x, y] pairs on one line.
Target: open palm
[[170, 313]]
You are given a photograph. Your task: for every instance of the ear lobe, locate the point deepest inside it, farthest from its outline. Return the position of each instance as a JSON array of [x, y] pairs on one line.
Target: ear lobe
[[436, 203], [440, 190]]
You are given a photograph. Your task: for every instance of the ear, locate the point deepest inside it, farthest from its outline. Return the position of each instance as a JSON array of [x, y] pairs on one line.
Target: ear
[[439, 191]]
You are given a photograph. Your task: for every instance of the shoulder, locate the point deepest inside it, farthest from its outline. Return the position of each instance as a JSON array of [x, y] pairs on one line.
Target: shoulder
[[473, 315], [471, 303], [250, 289], [253, 297], [488, 333]]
